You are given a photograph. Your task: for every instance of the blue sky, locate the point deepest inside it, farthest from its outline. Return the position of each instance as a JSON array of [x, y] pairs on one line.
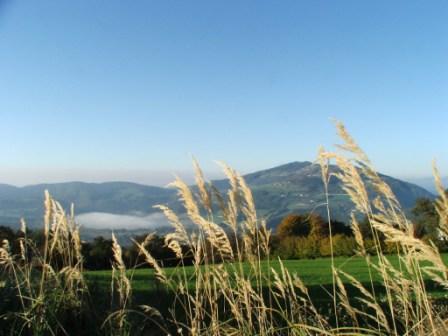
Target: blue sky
[[98, 90]]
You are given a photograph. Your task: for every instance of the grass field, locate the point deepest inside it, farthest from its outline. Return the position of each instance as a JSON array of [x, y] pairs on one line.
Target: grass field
[[315, 273]]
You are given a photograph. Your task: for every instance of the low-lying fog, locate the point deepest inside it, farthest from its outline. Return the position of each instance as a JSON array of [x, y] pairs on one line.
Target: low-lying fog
[[103, 220]]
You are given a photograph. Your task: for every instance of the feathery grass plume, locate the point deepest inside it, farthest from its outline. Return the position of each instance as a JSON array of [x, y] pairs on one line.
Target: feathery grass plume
[[58, 227], [324, 163], [48, 279], [343, 296], [214, 233], [357, 234], [200, 182], [370, 301], [367, 169], [385, 216], [219, 239], [22, 244], [76, 239], [5, 256], [278, 284], [160, 274], [22, 225], [121, 282], [48, 208], [179, 237], [222, 206], [350, 177], [179, 229], [441, 202], [248, 208], [187, 199], [251, 227], [231, 213], [293, 308], [264, 238], [350, 144]]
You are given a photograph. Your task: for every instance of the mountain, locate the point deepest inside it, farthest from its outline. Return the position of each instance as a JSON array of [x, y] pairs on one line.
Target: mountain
[[110, 197], [297, 187], [293, 187]]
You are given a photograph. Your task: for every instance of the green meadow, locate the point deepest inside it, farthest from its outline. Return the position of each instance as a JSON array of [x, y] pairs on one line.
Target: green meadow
[[315, 273]]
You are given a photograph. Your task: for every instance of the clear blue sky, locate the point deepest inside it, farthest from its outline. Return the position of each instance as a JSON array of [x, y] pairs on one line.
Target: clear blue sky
[[100, 90]]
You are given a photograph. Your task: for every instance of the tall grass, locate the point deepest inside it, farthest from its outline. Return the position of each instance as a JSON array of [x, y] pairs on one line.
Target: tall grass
[[228, 299], [49, 282]]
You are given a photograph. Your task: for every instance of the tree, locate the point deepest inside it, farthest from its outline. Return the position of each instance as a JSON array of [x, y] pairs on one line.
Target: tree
[[300, 235], [338, 227], [318, 226], [293, 226], [301, 226], [425, 218], [98, 254]]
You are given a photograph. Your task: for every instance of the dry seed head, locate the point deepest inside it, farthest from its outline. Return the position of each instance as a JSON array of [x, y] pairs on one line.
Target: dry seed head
[[188, 200], [22, 249], [441, 202], [72, 211], [357, 234], [149, 237], [5, 256], [264, 237], [22, 226], [160, 274], [350, 144], [278, 284], [5, 244], [48, 209], [151, 311], [116, 249], [180, 233], [324, 164], [232, 211], [368, 299], [353, 184], [220, 200], [233, 195], [231, 174], [77, 243], [299, 284], [218, 238], [248, 209], [342, 294], [174, 246], [203, 192]]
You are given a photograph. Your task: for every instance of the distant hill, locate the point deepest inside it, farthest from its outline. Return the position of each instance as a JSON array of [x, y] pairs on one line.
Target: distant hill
[[110, 197], [427, 182], [293, 187], [297, 187]]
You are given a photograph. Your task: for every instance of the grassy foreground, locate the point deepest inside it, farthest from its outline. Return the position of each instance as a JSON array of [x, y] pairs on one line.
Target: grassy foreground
[[46, 291]]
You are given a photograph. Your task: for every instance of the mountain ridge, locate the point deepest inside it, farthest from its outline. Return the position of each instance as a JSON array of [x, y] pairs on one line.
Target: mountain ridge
[[292, 187]]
